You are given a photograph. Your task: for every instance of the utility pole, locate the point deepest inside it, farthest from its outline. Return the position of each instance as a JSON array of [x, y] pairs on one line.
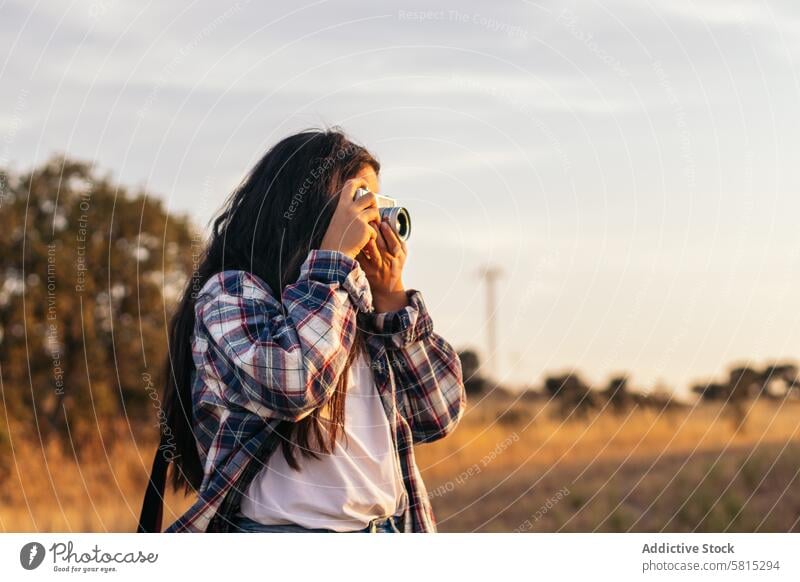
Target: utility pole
[[490, 274]]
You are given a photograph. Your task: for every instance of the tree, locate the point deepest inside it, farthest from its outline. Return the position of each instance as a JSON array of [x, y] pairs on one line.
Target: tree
[[785, 374], [617, 393], [84, 263], [574, 397]]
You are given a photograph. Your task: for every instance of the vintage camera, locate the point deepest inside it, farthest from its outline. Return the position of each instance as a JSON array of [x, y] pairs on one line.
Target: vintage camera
[[398, 217]]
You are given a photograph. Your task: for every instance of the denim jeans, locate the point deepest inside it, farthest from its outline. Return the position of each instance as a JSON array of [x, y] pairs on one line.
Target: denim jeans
[[242, 524]]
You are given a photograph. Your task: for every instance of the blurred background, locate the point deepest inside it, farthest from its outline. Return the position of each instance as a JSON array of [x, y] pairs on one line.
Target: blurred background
[[605, 227]]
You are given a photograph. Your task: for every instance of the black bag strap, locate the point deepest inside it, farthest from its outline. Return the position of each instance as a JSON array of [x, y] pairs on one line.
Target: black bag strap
[[153, 504]]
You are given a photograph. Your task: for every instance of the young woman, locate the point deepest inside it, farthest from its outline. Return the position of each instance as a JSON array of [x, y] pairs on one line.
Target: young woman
[[301, 372]]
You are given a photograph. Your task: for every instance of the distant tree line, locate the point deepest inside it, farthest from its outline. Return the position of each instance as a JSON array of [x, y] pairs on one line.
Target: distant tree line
[[575, 398], [572, 395], [773, 381], [746, 383]]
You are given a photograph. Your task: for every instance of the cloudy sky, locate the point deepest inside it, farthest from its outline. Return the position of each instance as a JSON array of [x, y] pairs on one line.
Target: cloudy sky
[[630, 165]]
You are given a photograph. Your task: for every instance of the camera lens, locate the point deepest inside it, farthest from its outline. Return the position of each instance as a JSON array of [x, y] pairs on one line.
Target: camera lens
[[403, 223], [399, 219]]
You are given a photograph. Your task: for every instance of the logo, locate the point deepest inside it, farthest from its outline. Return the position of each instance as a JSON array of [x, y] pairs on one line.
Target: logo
[[31, 555]]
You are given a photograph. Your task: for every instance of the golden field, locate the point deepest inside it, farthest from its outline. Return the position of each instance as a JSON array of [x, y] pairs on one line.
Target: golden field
[[511, 465]]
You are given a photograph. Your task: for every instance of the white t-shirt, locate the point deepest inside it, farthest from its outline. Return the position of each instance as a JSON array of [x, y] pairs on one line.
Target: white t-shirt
[[342, 491]]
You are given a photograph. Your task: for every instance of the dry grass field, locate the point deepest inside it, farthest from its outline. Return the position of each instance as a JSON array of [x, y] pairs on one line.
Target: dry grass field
[[511, 465]]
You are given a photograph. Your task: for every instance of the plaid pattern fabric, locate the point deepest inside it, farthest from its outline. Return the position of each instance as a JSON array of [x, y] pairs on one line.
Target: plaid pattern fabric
[[262, 360]]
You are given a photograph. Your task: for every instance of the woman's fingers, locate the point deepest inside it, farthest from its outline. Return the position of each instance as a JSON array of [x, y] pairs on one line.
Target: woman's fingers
[[346, 196], [364, 201], [381, 240], [393, 242], [403, 245], [366, 205], [370, 251], [371, 214]]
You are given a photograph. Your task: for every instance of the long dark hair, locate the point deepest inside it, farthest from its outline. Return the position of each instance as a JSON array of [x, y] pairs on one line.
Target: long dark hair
[[267, 227]]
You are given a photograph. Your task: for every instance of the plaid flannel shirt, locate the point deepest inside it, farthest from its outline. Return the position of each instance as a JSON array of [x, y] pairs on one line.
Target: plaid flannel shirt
[[262, 360]]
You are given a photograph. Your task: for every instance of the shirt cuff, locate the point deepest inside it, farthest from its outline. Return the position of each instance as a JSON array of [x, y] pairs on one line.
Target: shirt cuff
[[334, 267], [403, 327]]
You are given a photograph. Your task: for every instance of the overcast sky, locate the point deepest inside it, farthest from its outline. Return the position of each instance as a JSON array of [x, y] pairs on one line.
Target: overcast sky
[[630, 165]]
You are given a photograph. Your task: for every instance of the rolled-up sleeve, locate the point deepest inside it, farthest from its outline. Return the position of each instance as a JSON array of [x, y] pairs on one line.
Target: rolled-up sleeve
[[427, 369], [287, 354]]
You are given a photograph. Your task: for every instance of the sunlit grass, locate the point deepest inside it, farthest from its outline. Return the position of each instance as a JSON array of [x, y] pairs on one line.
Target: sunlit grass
[[643, 470]]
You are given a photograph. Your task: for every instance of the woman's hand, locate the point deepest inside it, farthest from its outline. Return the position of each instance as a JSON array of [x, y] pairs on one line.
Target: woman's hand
[[382, 260], [350, 227]]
